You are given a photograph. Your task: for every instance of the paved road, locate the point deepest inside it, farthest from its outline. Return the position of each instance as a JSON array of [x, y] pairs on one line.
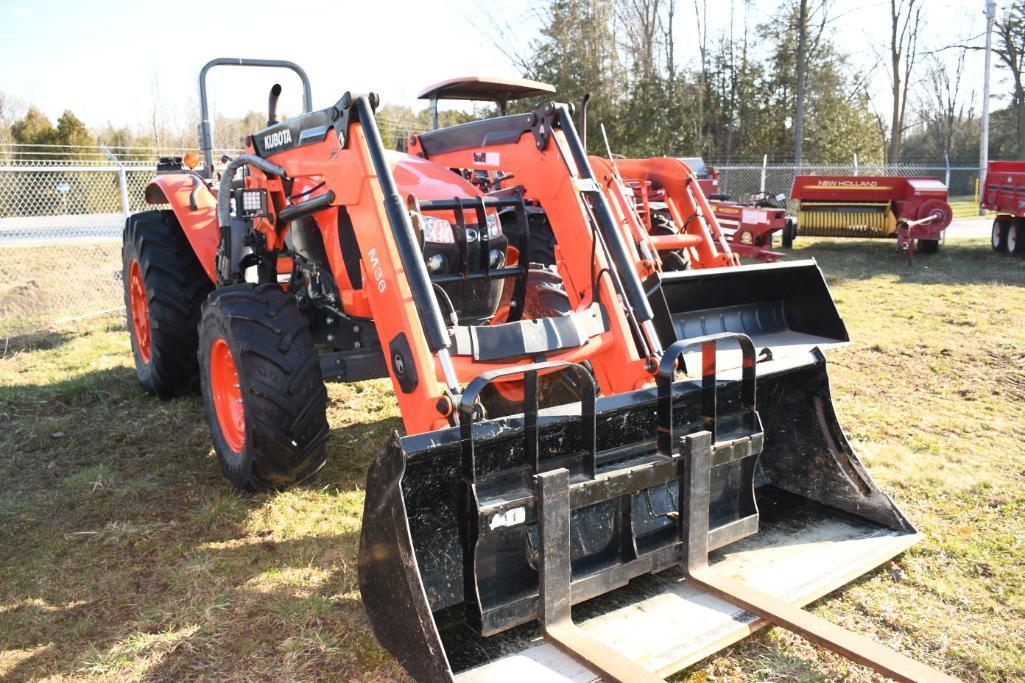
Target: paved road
[[43, 230], [30, 231], [980, 226]]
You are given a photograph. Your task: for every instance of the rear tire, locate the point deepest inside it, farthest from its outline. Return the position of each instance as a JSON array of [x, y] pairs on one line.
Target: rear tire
[[998, 238], [677, 259], [789, 233], [1016, 237], [263, 394], [165, 286]]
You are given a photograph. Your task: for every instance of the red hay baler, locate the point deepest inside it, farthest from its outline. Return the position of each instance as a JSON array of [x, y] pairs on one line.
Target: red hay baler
[[909, 209]]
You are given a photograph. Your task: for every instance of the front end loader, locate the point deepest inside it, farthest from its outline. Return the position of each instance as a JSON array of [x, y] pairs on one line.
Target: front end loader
[[601, 476]]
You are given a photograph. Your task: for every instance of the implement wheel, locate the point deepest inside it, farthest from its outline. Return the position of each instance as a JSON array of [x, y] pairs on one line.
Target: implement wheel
[[262, 390], [998, 238], [164, 291], [928, 246], [1016, 237], [789, 233]]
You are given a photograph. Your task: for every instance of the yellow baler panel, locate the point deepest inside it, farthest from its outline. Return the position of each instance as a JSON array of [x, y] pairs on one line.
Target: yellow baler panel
[[828, 219]]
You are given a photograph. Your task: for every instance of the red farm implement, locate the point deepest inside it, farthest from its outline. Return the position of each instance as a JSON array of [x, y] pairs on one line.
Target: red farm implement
[[748, 225], [909, 209], [1005, 194]]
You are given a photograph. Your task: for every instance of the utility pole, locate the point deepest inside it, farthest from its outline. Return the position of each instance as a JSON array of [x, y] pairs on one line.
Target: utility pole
[[990, 12], [802, 43]]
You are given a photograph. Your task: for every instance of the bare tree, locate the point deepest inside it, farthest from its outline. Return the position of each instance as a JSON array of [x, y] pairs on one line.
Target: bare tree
[[11, 110], [701, 16], [668, 40], [811, 22], [943, 104], [905, 22], [1010, 48], [802, 69], [641, 21]]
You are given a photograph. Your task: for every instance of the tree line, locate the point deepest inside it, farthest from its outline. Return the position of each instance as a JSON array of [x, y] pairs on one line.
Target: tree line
[[776, 84]]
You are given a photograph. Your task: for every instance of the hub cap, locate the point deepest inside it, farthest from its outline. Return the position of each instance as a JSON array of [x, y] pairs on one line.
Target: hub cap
[[227, 396], [139, 309]]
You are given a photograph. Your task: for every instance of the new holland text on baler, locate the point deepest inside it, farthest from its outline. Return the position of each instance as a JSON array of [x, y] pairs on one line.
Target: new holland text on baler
[[908, 209], [669, 511]]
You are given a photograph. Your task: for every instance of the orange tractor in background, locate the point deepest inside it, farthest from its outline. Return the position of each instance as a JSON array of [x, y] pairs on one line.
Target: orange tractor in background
[[582, 426]]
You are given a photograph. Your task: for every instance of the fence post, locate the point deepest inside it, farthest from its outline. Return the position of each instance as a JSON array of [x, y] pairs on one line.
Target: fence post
[[946, 160], [122, 180], [857, 171], [765, 162]]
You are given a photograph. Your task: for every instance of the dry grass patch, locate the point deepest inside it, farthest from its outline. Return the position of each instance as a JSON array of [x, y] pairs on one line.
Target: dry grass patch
[[126, 556]]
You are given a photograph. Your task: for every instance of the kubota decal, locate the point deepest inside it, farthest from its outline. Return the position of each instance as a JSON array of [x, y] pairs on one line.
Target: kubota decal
[[375, 267], [277, 138]]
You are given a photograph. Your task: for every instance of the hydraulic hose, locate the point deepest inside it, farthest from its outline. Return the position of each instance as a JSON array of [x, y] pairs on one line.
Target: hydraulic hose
[[224, 203]]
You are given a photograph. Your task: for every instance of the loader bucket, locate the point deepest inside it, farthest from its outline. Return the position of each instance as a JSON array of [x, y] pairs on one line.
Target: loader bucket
[[567, 543], [783, 307]]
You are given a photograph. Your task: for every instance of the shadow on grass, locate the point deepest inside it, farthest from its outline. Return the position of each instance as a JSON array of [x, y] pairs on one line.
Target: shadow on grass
[[118, 382], [179, 620], [959, 262], [130, 554], [33, 341]]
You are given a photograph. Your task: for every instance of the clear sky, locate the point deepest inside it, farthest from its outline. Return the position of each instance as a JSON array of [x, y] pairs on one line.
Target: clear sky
[[118, 60]]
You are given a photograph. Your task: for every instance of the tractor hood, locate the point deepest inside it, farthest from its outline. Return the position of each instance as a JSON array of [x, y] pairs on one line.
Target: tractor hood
[[427, 180]]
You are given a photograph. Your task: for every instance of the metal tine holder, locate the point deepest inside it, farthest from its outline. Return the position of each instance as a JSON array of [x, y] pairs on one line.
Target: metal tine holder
[[484, 272], [551, 491]]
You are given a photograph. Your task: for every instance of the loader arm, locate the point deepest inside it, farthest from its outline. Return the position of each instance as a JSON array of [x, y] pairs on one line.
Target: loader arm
[[687, 205], [538, 150], [429, 367]]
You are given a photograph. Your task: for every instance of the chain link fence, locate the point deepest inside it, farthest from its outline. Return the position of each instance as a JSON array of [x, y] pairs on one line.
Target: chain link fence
[[62, 211], [741, 181]]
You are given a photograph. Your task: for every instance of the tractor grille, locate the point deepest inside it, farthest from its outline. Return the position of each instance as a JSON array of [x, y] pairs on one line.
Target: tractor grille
[[846, 220]]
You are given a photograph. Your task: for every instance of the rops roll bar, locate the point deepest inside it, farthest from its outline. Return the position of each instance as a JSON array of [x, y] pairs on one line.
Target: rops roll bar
[[205, 139]]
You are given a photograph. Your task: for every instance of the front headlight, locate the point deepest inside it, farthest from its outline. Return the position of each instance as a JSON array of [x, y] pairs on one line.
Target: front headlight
[[440, 231], [494, 226], [437, 230]]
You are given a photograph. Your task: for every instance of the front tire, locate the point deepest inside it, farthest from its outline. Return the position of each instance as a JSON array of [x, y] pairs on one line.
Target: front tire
[[263, 394], [165, 286]]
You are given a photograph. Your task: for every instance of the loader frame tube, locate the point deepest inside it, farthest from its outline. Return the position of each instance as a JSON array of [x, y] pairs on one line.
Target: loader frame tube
[[632, 288], [405, 240]]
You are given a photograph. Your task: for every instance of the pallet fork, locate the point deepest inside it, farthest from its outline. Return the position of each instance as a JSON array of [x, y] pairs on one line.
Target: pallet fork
[[633, 534], [527, 540]]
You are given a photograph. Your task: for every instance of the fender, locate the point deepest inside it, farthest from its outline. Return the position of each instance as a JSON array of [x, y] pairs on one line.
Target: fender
[[199, 225]]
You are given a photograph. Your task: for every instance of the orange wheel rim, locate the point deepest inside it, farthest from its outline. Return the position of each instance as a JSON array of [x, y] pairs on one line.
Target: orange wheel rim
[[227, 395], [140, 311]]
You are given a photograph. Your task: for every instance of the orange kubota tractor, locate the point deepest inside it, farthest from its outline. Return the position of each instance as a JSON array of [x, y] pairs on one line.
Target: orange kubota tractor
[[554, 456]]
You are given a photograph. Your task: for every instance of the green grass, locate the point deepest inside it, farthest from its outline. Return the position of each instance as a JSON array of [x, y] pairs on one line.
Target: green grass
[[125, 556]]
